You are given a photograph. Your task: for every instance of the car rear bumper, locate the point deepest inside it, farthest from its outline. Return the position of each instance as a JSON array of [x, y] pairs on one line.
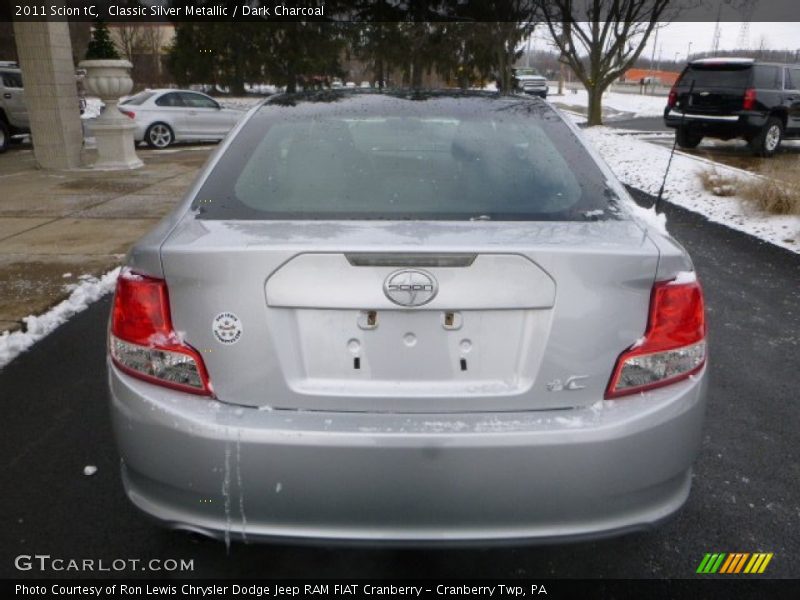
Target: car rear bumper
[[222, 470], [744, 124]]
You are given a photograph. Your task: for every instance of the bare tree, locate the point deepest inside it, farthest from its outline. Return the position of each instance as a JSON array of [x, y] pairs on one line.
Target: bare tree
[[128, 38], [602, 40], [151, 43]]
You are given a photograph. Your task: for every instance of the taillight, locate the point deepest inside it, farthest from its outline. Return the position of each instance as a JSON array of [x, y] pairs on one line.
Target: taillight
[[673, 346], [749, 102], [672, 99], [142, 341], [128, 113]]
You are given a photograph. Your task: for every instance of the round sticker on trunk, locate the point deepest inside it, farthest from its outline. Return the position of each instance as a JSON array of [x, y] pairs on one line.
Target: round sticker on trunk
[[227, 328]]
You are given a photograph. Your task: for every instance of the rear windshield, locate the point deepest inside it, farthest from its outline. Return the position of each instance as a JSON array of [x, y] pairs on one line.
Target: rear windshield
[[138, 99], [378, 157], [725, 76]]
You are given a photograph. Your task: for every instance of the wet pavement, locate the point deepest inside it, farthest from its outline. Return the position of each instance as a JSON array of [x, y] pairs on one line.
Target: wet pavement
[[745, 490], [58, 225]]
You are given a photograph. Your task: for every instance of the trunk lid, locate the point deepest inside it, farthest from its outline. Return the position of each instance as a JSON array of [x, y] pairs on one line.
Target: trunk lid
[[527, 315]]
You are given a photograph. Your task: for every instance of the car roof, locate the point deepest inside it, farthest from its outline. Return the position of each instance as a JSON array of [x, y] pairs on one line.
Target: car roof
[[723, 60], [167, 90], [404, 101], [732, 60]]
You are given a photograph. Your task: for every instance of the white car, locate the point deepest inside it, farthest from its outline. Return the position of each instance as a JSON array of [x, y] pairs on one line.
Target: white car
[[163, 117]]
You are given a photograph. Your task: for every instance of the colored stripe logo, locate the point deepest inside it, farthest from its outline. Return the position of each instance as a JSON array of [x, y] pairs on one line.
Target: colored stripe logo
[[734, 562]]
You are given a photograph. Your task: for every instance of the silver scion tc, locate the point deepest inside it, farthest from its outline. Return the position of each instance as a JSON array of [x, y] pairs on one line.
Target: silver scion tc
[[407, 317]]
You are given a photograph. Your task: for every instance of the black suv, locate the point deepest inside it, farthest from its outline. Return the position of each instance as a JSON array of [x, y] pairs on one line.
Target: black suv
[[736, 98]]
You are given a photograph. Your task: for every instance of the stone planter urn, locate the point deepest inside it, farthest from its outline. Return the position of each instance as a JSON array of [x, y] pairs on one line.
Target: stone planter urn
[[109, 79]]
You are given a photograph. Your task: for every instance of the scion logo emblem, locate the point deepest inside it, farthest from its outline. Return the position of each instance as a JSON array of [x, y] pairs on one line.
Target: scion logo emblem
[[410, 287]]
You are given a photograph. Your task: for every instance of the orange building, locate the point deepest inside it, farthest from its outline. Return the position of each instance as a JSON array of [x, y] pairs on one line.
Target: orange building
[[663, 77]]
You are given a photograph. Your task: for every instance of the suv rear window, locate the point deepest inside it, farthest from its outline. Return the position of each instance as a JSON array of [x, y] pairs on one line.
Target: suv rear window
[[718, 75], [372, 156]]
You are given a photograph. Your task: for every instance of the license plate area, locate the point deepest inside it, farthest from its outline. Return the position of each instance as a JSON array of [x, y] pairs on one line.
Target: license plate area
[[411, 353]]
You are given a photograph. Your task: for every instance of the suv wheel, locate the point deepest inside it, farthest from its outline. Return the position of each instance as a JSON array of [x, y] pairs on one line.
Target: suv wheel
[[687, 139], [159, 136], [5, 136], [767, 141]]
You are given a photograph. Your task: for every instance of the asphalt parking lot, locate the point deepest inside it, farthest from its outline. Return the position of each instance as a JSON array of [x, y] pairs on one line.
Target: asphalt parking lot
[[746, 494]]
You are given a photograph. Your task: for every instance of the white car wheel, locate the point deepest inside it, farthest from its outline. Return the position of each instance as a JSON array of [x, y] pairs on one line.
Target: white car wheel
[[159, 136]]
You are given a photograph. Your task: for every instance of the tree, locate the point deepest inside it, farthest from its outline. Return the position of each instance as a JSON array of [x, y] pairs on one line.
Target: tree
[[101, 46], [187, 57], [224, 53], [505, 24], [459, 39], [301, 52], [603, 42], [129, 38], [377, 39]]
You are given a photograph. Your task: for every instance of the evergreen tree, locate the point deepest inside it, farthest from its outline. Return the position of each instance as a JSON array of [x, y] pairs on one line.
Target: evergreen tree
[[101, 46]]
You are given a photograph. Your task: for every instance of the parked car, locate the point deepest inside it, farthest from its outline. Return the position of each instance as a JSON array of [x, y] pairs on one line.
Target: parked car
[[529, 81], [411, 317], [164, 117], [736, 98], [13, 112]]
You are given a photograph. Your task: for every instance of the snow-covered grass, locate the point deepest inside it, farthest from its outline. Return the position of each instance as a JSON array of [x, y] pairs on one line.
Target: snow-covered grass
[[641, 165], [82, 295], [635, 105]]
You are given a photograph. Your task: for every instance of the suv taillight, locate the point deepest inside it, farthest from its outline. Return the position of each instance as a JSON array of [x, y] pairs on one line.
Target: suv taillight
[[128, 113], [749, 102], [672, 99], [673, 346], [143, 343]]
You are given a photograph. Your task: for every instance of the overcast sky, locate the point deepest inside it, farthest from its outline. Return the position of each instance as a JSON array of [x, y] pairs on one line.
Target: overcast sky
[[675, 38]]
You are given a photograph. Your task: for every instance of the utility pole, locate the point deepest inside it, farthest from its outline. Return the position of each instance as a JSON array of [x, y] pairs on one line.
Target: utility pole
[[652, 60], [717, 31]]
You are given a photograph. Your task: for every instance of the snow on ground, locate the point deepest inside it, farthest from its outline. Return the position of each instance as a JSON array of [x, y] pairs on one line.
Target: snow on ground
[[93, 106], [641, 165], [83, 294], [242, 103], [634, 104]]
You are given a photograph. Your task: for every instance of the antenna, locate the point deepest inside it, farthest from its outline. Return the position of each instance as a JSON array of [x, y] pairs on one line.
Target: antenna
[[657, 204]]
